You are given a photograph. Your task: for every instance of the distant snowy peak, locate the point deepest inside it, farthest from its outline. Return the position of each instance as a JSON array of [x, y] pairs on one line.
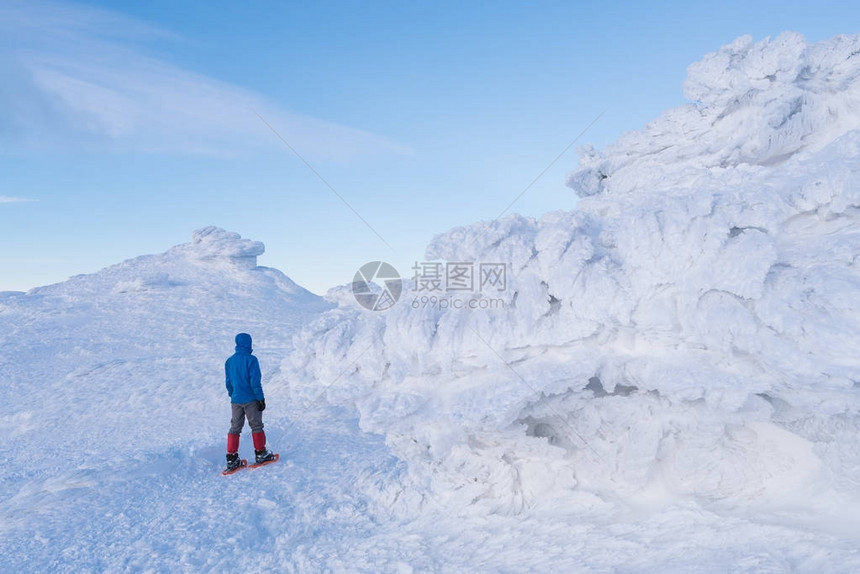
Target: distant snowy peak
[[215, 260], [201, 293], [755, 105]]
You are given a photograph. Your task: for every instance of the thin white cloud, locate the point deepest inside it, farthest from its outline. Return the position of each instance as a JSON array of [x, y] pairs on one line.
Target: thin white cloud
[[8, 199], [76, 77]]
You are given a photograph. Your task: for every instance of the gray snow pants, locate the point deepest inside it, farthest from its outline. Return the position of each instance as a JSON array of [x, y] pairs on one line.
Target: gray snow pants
[[250, 410]]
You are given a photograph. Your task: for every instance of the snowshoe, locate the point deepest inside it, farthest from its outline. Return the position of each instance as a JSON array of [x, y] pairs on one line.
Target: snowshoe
[[263, 456], [234, 463]]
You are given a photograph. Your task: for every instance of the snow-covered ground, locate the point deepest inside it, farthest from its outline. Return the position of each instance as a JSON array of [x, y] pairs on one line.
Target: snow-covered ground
[[673, 384]]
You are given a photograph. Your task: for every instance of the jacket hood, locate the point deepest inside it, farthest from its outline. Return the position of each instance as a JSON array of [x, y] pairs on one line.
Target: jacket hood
[[243, 343]]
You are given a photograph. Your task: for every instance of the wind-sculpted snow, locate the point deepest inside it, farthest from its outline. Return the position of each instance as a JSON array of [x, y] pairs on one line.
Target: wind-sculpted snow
[[754, 105], [687, 335]]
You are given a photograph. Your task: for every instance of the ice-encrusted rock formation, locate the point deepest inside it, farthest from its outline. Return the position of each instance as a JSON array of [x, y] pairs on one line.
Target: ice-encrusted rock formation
[[691, 328]]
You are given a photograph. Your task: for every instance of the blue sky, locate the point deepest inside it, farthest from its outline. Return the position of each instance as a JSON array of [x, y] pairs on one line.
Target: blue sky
[[124, 126]]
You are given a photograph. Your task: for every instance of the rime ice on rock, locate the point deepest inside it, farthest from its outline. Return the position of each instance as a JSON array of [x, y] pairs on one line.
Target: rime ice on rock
[[754, 105], [711, 264], [216, 244]]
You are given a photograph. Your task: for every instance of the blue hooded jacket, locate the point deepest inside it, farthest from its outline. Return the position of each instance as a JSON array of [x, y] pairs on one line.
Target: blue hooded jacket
[[243, 373]]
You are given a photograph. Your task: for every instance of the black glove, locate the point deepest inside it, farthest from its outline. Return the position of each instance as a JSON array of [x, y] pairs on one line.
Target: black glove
[[261, 405]]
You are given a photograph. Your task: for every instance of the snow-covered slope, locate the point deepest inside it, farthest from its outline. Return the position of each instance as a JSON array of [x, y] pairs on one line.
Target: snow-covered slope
[[684, 342], [75, 349], [114, 410]]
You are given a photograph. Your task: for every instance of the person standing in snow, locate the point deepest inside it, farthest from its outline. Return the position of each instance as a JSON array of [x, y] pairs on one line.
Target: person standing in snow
[[244, 387]]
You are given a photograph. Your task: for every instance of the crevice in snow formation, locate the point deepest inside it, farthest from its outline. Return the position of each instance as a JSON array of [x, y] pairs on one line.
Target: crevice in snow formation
[[707, 276]]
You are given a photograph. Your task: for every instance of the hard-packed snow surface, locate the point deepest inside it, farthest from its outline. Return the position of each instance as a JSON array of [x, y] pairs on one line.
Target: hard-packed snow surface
[[114, 414], [672, 385]]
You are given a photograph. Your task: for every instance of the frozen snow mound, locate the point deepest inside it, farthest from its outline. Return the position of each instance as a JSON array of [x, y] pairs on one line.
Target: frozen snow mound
[[212, 279], [753, 105], [214, 256], [689, 330], [213, 243]]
